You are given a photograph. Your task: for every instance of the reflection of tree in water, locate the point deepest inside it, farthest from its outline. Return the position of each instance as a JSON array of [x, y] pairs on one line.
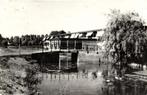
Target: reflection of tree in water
[[94, 75], [32, 80], [122, 87], [125, 88]]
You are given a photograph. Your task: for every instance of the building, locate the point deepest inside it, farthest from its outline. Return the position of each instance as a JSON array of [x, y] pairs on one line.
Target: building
[[81, 41]]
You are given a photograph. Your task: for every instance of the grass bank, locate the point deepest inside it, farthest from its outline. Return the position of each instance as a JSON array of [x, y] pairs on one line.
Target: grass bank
[[18, 76]]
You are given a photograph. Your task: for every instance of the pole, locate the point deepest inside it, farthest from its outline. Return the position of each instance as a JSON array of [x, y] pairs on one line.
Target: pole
[[51, 46], [59, 42], [75, 44]]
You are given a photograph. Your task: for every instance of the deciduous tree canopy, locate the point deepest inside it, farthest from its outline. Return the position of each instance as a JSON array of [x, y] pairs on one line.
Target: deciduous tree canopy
[[126, 38]]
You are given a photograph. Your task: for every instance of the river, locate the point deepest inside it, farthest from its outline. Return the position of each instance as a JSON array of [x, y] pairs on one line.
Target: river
[[88, 80]]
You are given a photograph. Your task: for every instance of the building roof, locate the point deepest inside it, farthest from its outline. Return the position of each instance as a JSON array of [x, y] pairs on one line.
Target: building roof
[[90, 34]]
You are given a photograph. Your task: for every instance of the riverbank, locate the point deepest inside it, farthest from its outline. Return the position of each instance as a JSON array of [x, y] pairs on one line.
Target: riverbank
[[16, 74], [18, 51]]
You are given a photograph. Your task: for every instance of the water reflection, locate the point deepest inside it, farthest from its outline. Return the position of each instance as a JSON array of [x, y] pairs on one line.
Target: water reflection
[[70, 84], [89, 80], [125, 88]]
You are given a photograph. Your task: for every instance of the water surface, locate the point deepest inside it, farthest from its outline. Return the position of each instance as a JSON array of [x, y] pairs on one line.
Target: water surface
[[88, 81]]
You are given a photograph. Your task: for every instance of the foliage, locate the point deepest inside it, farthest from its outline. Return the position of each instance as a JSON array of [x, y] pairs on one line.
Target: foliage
[[3, 41], [32, 79], [125, 38], [56, 33], [26, 40], [32, 40]]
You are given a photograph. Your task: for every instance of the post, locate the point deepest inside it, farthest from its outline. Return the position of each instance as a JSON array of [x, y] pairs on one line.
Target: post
[[59, 42], [50, 45], [75, 44]]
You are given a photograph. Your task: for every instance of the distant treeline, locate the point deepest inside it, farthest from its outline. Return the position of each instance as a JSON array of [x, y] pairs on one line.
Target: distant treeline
[[27, 40], [3, 41]]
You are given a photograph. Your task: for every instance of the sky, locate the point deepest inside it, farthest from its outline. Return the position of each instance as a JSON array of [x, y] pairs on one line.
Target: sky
[[20, 17]]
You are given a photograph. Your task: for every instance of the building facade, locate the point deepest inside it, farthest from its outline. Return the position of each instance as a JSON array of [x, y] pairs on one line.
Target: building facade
[[81, 41]]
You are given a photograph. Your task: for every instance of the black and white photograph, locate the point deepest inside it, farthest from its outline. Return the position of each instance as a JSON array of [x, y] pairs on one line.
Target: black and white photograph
[[73, 47]]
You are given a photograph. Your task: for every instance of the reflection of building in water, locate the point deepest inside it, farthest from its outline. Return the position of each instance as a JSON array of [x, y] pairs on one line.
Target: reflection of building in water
[[83, 41]]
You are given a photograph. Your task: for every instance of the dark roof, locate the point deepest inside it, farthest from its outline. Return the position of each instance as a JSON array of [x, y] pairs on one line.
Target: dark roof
[[90, 34]]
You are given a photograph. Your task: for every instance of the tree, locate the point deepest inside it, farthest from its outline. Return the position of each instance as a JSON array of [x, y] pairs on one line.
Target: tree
[[11, 40], [1, 38], [4, 43], [16, 40], [126, 38], [57, 33]]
